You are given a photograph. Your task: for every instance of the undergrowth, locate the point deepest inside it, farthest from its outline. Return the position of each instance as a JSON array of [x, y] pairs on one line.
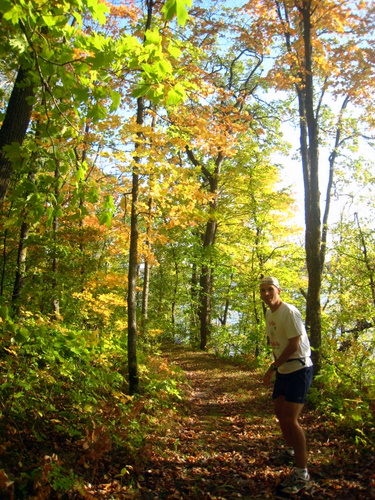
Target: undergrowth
[[65, 412]]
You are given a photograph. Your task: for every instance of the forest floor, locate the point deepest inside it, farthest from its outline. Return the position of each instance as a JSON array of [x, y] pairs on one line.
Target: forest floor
[[219, 441], [225, 443]]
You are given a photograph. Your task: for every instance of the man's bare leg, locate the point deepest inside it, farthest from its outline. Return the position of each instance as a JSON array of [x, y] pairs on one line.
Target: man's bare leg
[[288, 414]]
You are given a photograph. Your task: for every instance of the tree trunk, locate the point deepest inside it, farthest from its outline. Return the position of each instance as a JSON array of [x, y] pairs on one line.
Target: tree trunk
[[194, 301], [133, 267], [4, 262], [132, 292], [133, 251], [21, 259], [146, 274], [55, 260], [206, 280], [310, 162], [14, 127], [21, 268], [55, 270], [145, 294]]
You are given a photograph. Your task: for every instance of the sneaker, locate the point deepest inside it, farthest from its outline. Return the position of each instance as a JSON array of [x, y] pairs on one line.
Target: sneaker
[[282, 456], [294, 484], [289, 452]]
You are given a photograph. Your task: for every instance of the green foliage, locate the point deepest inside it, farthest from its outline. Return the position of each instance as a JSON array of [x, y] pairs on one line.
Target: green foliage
[[344, 393], [177, 8], [67, 390]]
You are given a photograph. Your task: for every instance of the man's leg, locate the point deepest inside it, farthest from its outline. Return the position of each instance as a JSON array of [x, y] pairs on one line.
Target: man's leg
[[288, 414]]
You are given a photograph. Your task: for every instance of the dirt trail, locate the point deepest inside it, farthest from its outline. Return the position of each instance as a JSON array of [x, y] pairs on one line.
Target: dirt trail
[[224, 445]]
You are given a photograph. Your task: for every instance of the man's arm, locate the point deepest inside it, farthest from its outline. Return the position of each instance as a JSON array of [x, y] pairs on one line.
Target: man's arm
[[291, 348]]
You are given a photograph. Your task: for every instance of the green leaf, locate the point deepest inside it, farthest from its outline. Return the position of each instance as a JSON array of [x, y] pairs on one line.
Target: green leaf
[[49, 20], [93, 195], [175, 96], [169, 10], [5, 5], [19, 43], [97, 112], [98, 10], [105, 219], [174, 51], [13, 15], [101, 60], [165, 67], [77, 16], [177, 8], [153, 37], [116, 99], [141, 90], [22, 335], [80, 174]]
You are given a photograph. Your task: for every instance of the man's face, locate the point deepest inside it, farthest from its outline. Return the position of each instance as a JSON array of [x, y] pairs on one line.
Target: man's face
[[270, 295]]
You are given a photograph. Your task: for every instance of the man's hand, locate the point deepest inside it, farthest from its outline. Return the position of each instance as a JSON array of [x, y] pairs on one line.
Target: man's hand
[[267, 379]]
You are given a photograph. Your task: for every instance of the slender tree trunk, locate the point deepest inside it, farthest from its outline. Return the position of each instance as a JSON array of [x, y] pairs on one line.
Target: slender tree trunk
[[21, 268], [316, 230], [175, 291], [309, 142], [146, 274], [81, 160], [21, 260], [259, 342], [3, 267], [145, 293], [132, 274], [206, 278], [332, 161], [226, 311], [133, 266], [132, 291], [194, 301], [133, 251], [205, 310], [55, 261], [310, 160], [310, 165], [55, 270], [206, 282], [14, 127]]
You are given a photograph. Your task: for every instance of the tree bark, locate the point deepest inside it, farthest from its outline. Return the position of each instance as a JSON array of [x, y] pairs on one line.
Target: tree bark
[[206, 278], [309, 143], [19, 280], [15, 124], [146, 274], [310, 160], [133, 271], [133, 251], [21, 268]]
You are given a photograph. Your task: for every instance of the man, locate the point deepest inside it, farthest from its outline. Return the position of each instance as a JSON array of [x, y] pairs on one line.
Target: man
[[293, 369]]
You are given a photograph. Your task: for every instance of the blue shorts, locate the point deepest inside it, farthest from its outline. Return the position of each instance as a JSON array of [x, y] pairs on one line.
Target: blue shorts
[[293, 386]]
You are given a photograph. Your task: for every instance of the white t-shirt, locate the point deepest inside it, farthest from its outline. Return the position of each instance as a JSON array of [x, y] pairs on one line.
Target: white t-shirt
[[282, 325]]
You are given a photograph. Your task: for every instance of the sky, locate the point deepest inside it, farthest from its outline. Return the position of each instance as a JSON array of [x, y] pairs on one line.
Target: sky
[[292, 174]]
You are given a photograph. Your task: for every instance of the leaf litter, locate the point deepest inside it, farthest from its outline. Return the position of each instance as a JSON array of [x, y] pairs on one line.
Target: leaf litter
[[226, 443], [221, 441]]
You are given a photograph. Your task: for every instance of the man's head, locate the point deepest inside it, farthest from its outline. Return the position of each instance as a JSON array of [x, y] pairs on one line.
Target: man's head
[[270, 292], [269, 280]]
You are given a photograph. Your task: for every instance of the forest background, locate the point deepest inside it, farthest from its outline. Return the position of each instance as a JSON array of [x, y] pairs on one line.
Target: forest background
[[143, 195]]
